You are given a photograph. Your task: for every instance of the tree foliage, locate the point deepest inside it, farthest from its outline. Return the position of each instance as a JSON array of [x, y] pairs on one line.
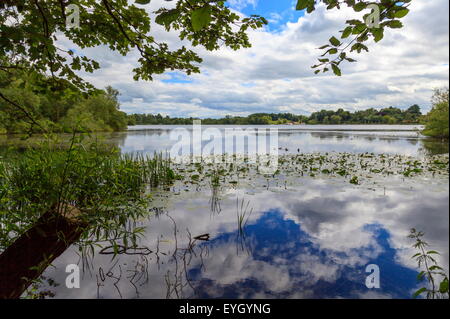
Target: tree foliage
[[381, 15], [31, 30], [62, 110], [30, 34], [390, 115], [436, 121]]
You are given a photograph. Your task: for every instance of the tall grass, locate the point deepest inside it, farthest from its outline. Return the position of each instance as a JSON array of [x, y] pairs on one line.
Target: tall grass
[[215, 192], [110, 190], [243, 213]]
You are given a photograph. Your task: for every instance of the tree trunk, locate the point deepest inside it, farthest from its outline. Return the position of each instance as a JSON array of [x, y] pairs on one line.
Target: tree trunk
[[35, 250]]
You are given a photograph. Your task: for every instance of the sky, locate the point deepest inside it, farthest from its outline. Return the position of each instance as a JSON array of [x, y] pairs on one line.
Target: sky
[[275, 75]]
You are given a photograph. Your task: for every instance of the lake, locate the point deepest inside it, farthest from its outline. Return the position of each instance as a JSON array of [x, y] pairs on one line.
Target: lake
[[392, 139], [301, 233]]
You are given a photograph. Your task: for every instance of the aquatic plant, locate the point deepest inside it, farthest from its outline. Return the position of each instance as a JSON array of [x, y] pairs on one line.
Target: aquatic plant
[[354, 180], [215, 189], [432, 271], [243, 213], [108, 189], [359, 169]]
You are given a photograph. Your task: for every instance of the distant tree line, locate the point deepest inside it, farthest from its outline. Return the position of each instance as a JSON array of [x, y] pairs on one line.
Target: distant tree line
[[28, 106], [390, 115]]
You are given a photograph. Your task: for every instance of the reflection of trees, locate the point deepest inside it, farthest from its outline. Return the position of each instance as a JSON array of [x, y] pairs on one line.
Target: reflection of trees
[[117, 139], [390, 139], [432, 146], [342, 136], [328, 135]]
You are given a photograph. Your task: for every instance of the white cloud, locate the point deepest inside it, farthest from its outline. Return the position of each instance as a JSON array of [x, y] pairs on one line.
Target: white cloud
[[241, 4], [275, 75]]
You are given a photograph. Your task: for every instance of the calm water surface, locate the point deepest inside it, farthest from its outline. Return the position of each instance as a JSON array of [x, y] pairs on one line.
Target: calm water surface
[[309, 241], [313, 239], [392, 139]]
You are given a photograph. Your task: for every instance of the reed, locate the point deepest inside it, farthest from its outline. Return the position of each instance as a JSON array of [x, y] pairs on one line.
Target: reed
[[110, 190]]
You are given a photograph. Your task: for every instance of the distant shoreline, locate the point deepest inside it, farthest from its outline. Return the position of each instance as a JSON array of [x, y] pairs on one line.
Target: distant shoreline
[[291, 127], [298, 127]]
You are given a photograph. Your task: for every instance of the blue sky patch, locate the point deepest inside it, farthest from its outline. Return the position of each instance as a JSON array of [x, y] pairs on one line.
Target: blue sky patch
[[277, 12], [176, 77]]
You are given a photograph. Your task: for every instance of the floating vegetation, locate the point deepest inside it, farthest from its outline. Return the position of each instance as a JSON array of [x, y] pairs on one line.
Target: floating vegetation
[[115, 193], [358, 169], [354, 180]]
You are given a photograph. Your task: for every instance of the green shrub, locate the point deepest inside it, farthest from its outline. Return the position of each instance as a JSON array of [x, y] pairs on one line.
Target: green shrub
[[436, 122]]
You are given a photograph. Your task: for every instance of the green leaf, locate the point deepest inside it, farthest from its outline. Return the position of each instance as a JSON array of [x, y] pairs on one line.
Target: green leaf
[[432, 252], [443, 287], [420, 275], [358, 47], [332, 51], [395, 24], [336, 70], [200, 18], [353, 22], [360, 28], [142, 1], [435, 267], [166, 18], [401, 13], [418, 292], [347, 31], [378, 34], [359, 6], [305, 4], [334, 41], [302, 4]]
